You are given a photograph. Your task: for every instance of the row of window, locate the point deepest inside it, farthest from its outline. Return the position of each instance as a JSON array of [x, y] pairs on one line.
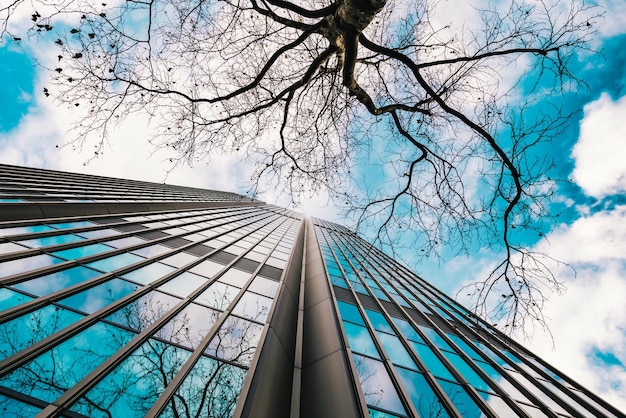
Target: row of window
[[117, 324], [411, 351]]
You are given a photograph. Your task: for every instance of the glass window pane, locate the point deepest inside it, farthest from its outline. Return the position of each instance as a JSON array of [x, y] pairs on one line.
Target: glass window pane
[[179, 259], [148, 274], [79, 252], [12, 408], [407, 330], [211, 390], [460, 398], [143, 312], [68, 225], [132, 388], [92, 299], [207, 268], [395, 351], [115, 262], [360, 340], [350, 312], [376, 384], [218, 295], [99, 233], [236, 341], [189, 326], [235, 277], [55, 240], [378, 321], [9, 298], [25, 230], [264, 286], [422, 395], [499, 406], [56, 281], [253, 306], [435, 337], [467, 372], [125, 242], [9, 247], [184, 284], [48, 375], [151, 251], [22, 265], [432, 362], [26, 330], [379, 414]]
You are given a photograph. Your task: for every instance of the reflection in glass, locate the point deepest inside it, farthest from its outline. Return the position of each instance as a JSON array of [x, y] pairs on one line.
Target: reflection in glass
[[395, 350], [376, 384], [148, 274], [264, 286], [179, 259], [378, 321], [84, 251], [407, 330], [435, 337], [253, 306], [218, 295], [424, 399], [467, 372], [236, 341], [151, 251], [9, 298], [68, 225], [143, 312], [26, 330], [99, 296], [360, 340], [432, 362], [24, 230], [350, 312], [22, 265], [52, 373], [99, 233], [12, 408], [461, 400], [184, 284], [210, 391], [235, 277], [207, 268], [132, 388], [54, 240], [53, 282], [189, 326], [116, 262]]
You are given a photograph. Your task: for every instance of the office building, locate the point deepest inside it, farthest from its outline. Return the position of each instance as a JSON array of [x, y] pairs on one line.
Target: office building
[[128, 299]]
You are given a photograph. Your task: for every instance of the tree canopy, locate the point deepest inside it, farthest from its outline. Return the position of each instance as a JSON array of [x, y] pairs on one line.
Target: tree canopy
[[313, 92]]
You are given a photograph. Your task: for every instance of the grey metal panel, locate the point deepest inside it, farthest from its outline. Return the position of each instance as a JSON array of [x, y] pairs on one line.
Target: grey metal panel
[[200, 250], [270, 272], [326, 377], [270, 391], [326, 386], [38, 210]]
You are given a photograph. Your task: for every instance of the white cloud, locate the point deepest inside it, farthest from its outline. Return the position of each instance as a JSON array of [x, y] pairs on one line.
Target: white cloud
[[590, 317], [614, 22], [601, 150]]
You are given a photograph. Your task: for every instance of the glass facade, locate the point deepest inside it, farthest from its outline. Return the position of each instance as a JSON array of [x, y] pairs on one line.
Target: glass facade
[[213, 311]]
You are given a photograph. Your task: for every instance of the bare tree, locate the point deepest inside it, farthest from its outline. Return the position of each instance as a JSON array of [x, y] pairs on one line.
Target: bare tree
[[307, 90]]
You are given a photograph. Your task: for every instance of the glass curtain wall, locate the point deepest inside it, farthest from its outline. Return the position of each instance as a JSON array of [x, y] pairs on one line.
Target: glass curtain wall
[[416, 352], [121, 316]]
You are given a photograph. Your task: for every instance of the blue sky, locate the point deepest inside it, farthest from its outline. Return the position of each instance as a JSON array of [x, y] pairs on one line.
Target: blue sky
[[588, 322]]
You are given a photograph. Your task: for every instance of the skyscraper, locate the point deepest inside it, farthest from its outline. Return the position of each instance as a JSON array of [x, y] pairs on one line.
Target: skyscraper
[[127, 299]]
